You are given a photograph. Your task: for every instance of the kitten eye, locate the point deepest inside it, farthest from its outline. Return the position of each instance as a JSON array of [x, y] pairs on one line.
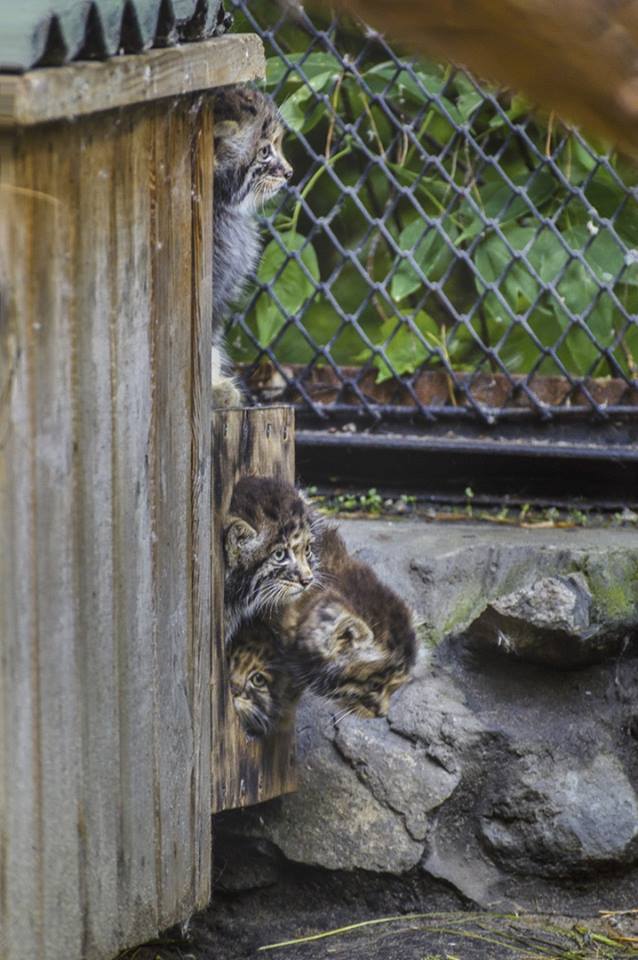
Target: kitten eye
[[279, 555], [263, 153], [258, 679], [308, 550]]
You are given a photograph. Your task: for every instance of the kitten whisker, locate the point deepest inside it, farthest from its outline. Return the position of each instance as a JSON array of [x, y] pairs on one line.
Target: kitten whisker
[[342, 716]]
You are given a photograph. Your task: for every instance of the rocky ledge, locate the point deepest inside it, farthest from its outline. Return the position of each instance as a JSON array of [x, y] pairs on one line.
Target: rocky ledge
[[508, 769]]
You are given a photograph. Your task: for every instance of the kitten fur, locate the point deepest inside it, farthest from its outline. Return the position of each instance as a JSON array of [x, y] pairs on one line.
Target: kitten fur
[[261, 685], [353, 639], [249, 169], [268, 548]]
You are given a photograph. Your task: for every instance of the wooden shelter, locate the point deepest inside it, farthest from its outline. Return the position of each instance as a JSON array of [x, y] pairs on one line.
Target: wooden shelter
[[109, 533]]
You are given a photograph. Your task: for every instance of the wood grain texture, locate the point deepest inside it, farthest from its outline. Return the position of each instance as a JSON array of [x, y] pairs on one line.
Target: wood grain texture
[[105, 439], [578, 57], [57, 93], [246, 770]]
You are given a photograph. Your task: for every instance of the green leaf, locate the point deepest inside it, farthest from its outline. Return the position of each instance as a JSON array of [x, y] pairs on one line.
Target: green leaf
[[292, 287], [604, 254], [547, 256], [313, 64], [431, 253], [518, 108], [493, 259], [301, 111], [404, 349], [419, 85], [468, 102], [499, 202]]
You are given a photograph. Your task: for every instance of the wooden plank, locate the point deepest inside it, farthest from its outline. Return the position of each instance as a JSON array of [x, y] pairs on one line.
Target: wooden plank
[[245, 770], [171, 296], [201, 468], [92, 362], [133, 521], [21, 837], [51, 173], [78, 89], [105, 437]]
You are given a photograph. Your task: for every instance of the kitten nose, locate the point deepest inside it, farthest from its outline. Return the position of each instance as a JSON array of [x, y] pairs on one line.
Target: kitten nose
[[306, 581]]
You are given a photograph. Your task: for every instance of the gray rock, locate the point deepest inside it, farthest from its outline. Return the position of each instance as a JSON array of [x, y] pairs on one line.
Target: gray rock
[[561, 819], [448, 574], [467, 871], [547, 622], [398, 772], [432, 710], [334, 820], [552, 603], [336, 823]]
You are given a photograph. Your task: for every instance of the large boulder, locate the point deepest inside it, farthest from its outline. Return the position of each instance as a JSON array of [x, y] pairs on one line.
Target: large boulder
[[560, 817], [363, 800]]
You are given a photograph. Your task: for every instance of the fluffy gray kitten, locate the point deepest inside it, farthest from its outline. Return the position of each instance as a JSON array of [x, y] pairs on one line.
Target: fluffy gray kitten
[[249, 169]]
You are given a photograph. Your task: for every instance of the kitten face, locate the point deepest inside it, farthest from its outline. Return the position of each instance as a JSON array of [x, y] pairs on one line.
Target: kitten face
[[250, 166], [268, 546], [261, 687]]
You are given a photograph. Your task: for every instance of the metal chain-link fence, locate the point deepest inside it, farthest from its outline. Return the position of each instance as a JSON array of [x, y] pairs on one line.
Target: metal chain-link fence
[[444, 252]]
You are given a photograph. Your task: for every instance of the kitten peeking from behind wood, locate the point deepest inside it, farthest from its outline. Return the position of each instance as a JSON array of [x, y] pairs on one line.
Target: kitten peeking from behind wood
[[268, 546], [261, 685], [249, 169]]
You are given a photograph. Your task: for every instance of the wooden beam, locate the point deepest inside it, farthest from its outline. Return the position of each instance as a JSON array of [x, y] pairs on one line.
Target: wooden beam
[[63, 93], [577, 57], [245, 770]]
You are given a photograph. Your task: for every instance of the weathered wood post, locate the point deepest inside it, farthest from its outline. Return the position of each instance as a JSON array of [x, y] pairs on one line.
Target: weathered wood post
[[105, 528], [246, 770]]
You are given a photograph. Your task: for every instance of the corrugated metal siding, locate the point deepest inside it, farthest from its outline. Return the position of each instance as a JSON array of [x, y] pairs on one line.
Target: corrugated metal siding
[[53, 32]]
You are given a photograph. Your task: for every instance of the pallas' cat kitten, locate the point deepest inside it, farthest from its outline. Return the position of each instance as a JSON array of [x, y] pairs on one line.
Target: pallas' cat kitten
[[268, 547], [249, 169], [261, 685], [352, 640]]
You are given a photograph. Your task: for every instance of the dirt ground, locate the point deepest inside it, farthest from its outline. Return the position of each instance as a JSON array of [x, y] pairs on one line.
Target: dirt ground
[[444, 935]]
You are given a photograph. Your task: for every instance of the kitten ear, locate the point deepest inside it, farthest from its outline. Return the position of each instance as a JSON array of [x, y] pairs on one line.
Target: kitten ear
[[362, 642], [237, 537], [225, 128]]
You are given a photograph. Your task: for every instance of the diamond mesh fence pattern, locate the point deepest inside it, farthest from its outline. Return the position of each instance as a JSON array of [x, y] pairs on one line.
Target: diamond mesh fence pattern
[[443, 253]]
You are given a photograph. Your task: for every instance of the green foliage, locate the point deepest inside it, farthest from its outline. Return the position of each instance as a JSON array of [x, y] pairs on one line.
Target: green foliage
[[484, 244]]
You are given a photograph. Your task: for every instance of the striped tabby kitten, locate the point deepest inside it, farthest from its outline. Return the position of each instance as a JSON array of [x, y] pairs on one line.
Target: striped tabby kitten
[[352, 641], [261, 685], [249, 169], [268, 547]]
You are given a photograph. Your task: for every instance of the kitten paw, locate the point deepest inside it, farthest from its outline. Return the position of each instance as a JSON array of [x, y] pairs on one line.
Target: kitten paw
[[226, 393]]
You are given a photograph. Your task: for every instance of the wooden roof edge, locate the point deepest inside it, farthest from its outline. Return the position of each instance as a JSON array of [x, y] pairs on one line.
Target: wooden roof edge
[[81, 88]]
